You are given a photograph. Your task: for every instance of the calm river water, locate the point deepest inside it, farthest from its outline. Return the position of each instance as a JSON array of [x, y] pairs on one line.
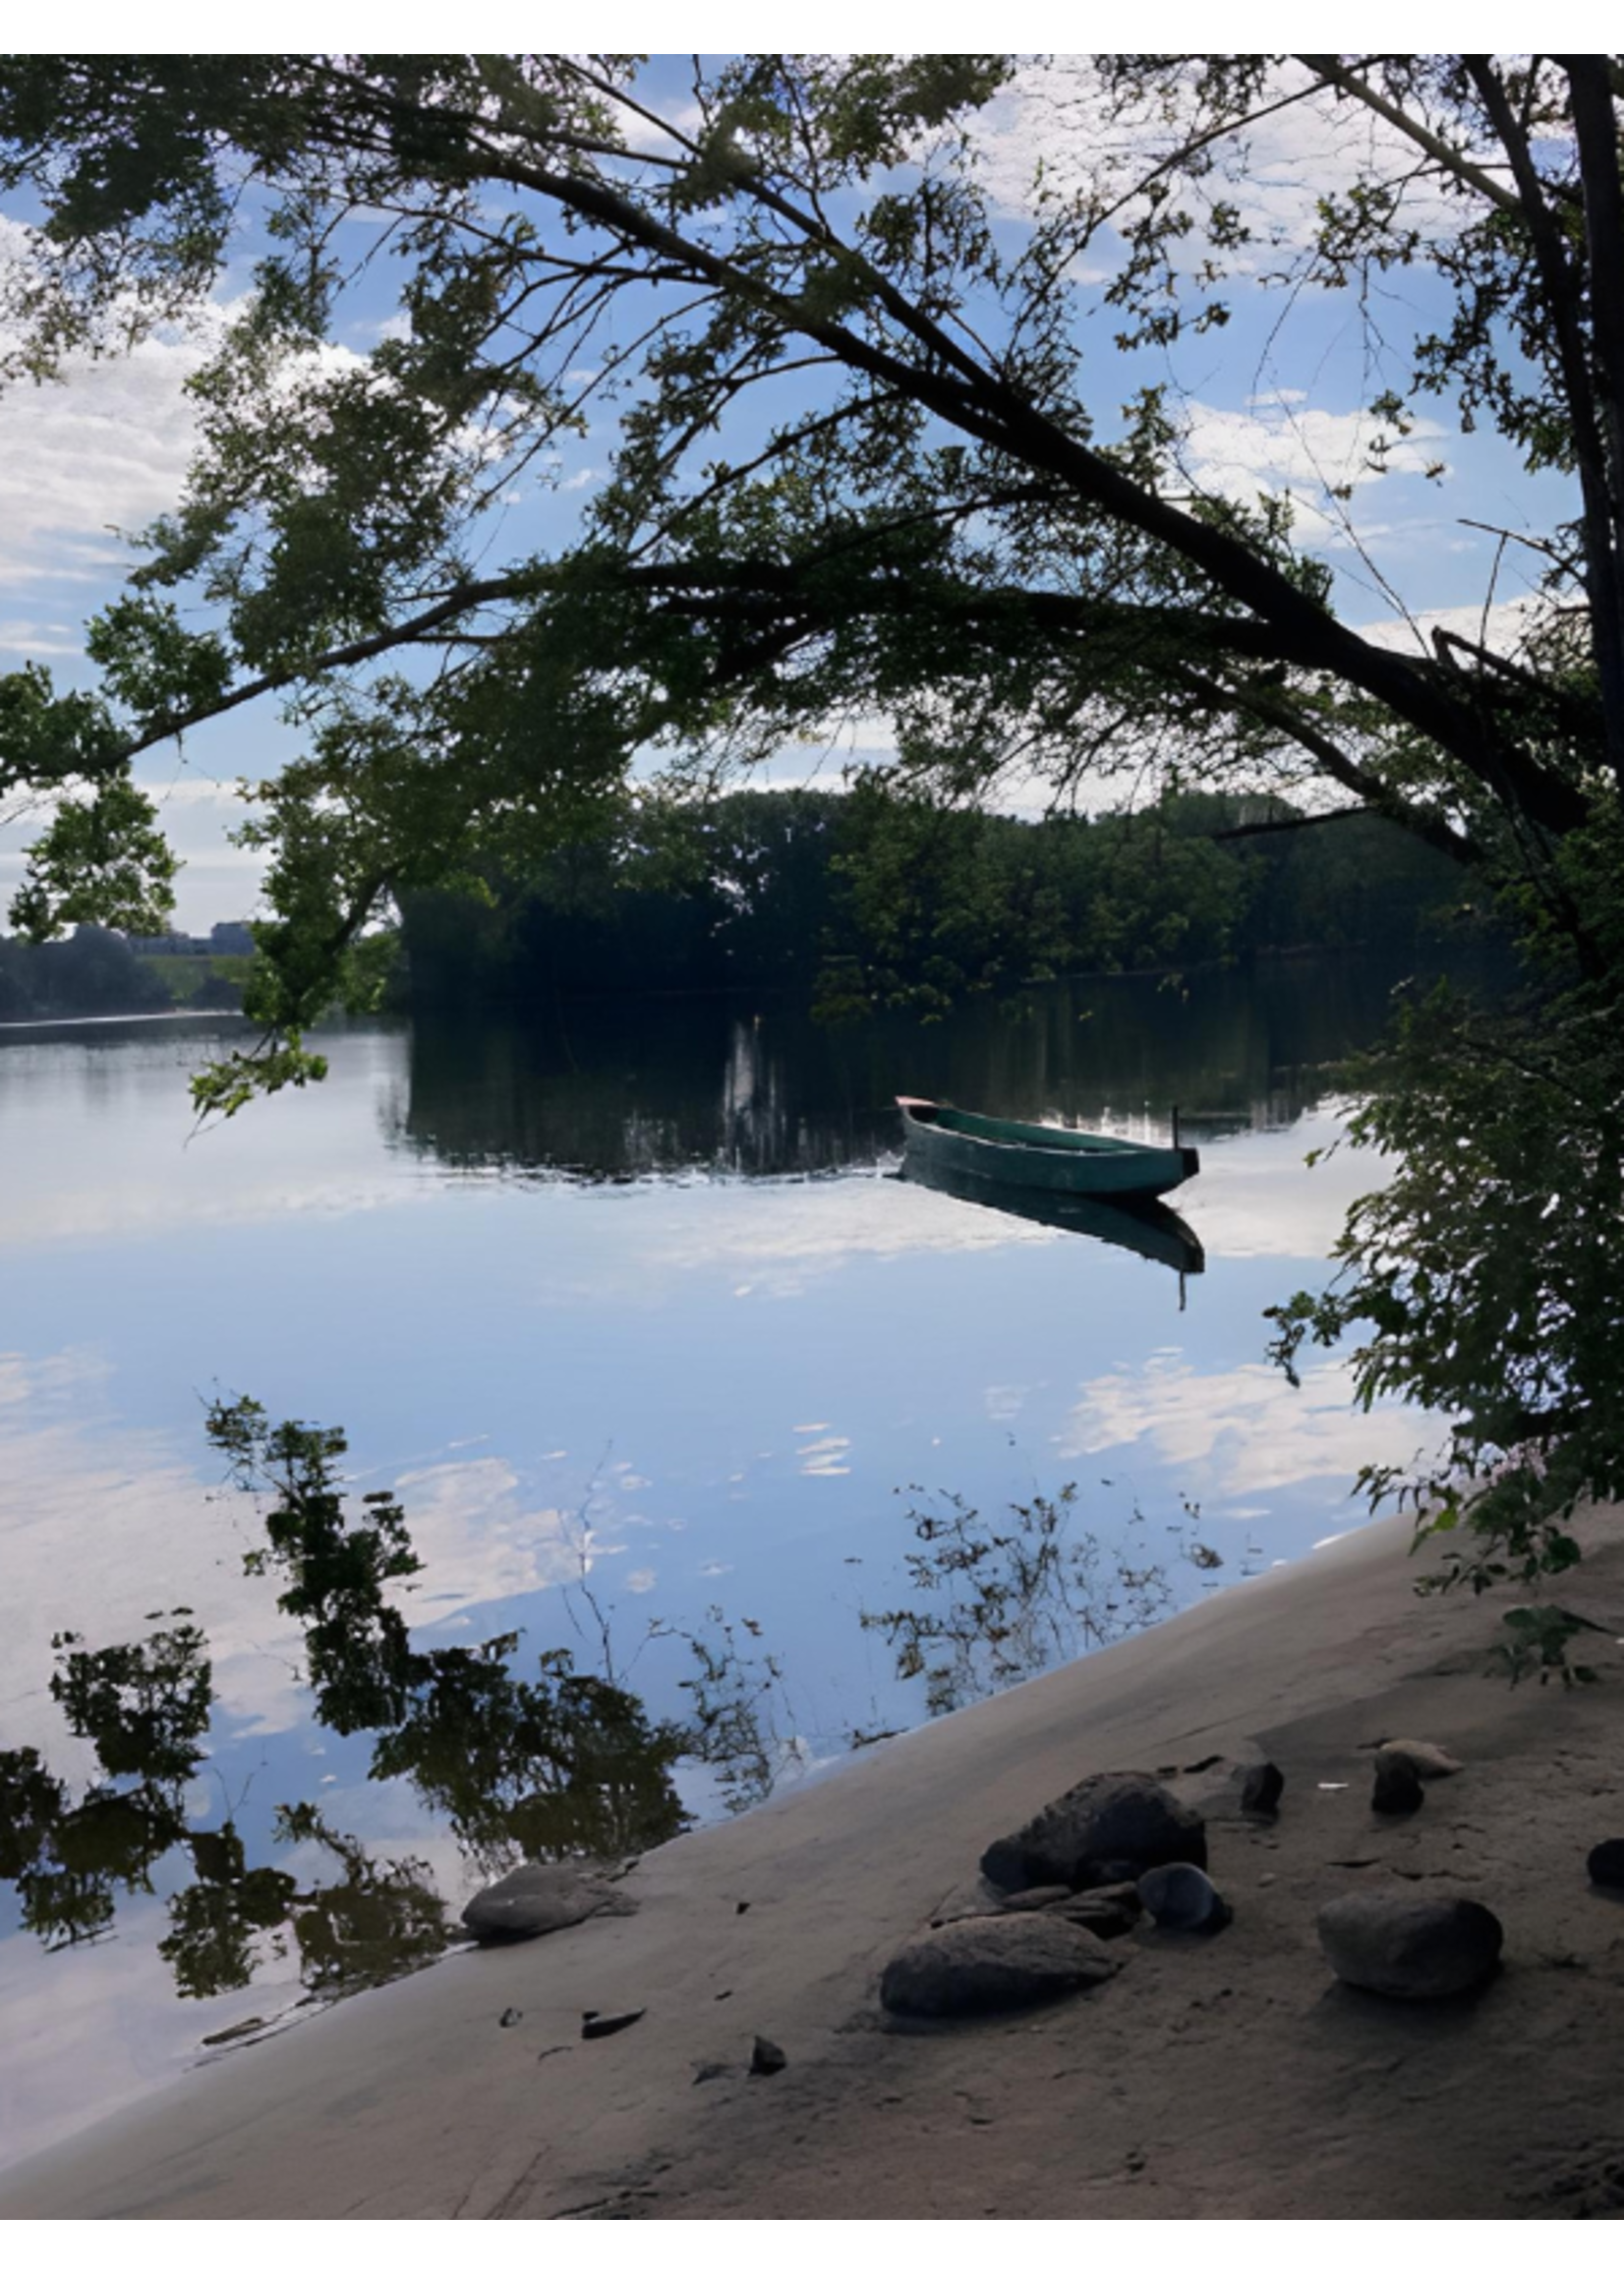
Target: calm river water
[[666, 1370]]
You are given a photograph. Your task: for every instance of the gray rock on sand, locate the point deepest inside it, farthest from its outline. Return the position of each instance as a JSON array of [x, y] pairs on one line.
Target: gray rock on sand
[[537, 1899], [989, 1966], [1262, 1789], [1126, 1820], [1397, 1790], [1412, 1947], [1427, 1761], [1181, 1897], [1604, 1863], [767, 2059], [1105, 1911]]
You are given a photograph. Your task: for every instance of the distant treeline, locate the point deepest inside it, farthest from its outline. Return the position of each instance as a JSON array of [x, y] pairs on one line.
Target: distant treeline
[[863, 899], [97, 974], [92, 975]]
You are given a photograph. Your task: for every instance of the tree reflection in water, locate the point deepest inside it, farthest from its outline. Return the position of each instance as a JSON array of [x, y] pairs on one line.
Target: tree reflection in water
[[565, 1763], [1001, 1599]]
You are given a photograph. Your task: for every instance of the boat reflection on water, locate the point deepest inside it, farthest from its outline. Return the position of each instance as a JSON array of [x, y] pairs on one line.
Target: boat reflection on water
[[1146, 1227]]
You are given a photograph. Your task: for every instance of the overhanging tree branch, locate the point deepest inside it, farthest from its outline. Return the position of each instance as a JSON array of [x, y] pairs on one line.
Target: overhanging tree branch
[[1454, 162], [1563, 301]]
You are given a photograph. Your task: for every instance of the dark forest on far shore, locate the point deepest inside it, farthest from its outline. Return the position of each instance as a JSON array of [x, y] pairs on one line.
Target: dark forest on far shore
[[855, 901], [859, 901]]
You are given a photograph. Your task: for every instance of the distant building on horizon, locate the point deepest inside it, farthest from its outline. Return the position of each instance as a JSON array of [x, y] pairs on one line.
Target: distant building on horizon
[[229, 939]]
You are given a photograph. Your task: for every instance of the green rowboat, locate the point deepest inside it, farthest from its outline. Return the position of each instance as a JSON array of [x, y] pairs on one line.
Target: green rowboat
[[1032, 1156]]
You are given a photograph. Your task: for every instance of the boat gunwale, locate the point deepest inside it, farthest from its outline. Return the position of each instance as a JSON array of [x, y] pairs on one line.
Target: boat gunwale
[[1083, 1141]]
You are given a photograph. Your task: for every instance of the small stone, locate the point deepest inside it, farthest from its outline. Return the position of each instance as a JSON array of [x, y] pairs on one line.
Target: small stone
[[1605, 1863], [1181, 1897], [611, 2024], [1427, 1761], [1124, 1820], [510, 2018], [1404, 1945], [1262, 1789], [1397, 1790], [767, 2059], [539, 1898], [988, 1965]]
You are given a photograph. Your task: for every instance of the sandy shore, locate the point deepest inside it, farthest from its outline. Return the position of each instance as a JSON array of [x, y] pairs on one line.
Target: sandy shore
[[1231, 2078]]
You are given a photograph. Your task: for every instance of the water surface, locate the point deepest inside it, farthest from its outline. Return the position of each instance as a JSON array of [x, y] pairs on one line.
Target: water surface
[[666, 1370]]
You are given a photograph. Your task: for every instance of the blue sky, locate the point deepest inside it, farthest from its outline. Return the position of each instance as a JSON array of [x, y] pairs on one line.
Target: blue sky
[[1271, 401]]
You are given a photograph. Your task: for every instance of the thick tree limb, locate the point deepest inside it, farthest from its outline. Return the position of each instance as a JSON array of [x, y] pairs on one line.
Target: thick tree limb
[[992, 412], [1563, 299]]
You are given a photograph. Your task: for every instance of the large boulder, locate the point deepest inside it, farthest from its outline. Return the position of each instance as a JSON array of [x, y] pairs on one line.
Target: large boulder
[[537, 1899], [989, 1966], [1104, 1828], [1405, 1945]]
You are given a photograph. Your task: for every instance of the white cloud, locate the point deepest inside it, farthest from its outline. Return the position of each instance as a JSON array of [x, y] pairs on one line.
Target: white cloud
[[1058, 113], [20, 636], [1279, 445], [1503, 626], [648, 134], [106, 448], [790, 1232], [1258, 1199], [479, 1542], [1246, 1428]]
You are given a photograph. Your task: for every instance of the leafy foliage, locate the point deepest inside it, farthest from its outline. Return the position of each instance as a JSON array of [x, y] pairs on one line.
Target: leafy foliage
[[1484, 1276], [855, 471], [872, 902], [1538, 1639]]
